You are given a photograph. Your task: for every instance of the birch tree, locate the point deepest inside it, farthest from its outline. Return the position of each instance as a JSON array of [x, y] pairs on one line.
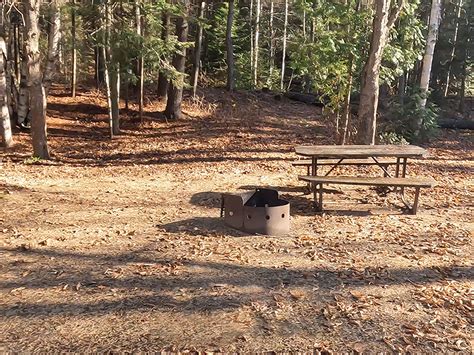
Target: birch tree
[[283, 56], [429, 51], [5, 124], [256, 44]]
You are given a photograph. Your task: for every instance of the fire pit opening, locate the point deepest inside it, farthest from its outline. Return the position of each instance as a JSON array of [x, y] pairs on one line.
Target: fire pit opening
[[259, 211]]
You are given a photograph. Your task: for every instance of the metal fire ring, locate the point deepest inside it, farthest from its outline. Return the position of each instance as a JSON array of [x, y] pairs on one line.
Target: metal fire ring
[[259, 211]]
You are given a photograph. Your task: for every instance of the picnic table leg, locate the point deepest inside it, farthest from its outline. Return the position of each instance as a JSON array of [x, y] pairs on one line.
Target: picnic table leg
[[318, 197], [314, 172], [414, 209], [397, 168], [404, 172]]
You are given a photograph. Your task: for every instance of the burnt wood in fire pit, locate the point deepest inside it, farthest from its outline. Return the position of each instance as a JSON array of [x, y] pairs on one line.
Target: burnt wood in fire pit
[[259, 211]]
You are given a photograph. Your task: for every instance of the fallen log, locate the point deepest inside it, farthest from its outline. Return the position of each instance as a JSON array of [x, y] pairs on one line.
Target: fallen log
[[456, 123], [306, 98]]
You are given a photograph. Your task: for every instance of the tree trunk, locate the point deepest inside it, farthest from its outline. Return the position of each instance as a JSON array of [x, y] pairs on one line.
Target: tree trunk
[[112, 70], [99, 66], [175, 90], [429, 50], [197, 49], [453, 50], [108, 89], [283, 57], [115, 97], [272, 46], [163, 81], [428, 59], [256, 45], [346, 113], [251, 36], [74, 49], [139, 23], [230, 47], [35, 80], [53, 45], [369, 96], [16, 51], [23, 92], [5, 124]]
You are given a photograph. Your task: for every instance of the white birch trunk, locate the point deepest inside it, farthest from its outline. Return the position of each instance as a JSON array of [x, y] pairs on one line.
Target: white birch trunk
[[272, 47], [251, 37], [285, 25], [429, 51], [257, 34], [53, 45], [5, 124]]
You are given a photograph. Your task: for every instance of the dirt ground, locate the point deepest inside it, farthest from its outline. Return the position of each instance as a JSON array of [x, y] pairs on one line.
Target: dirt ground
[[117, 245]]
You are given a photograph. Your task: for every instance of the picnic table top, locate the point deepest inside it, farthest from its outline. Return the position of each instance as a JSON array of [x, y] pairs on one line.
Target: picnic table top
[[360, 151]]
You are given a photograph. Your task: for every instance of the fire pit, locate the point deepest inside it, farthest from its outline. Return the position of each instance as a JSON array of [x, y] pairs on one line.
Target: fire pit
[[259, 211]]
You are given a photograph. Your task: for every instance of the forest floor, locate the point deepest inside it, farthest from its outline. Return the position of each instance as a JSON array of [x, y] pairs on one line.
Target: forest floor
[[117, 245]]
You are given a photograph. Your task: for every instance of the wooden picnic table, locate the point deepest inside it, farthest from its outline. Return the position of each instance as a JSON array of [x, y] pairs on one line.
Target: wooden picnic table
[[361, 155], [341, 152]]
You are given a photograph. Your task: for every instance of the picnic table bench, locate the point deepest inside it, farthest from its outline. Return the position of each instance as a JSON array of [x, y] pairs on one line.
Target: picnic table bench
[[359, 155]]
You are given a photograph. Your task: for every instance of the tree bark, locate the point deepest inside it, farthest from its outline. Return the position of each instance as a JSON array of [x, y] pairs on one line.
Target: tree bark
[[53, 45], [256, 45], [175, 90], [283, 57], [429, 51], [369, 96], [74, 49], [428, 59], [251, 36], [272, 46], [453, 50], [141, 71], [230, 48], [5, 124], [35, 80], [163, 81], [197, 49]]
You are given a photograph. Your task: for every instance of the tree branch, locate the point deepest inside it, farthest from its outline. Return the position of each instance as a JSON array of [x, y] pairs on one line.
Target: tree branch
[[395, 13]]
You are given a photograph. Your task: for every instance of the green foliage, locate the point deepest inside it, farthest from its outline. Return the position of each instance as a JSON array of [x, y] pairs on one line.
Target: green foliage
[[406, 44], [401, 120]]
